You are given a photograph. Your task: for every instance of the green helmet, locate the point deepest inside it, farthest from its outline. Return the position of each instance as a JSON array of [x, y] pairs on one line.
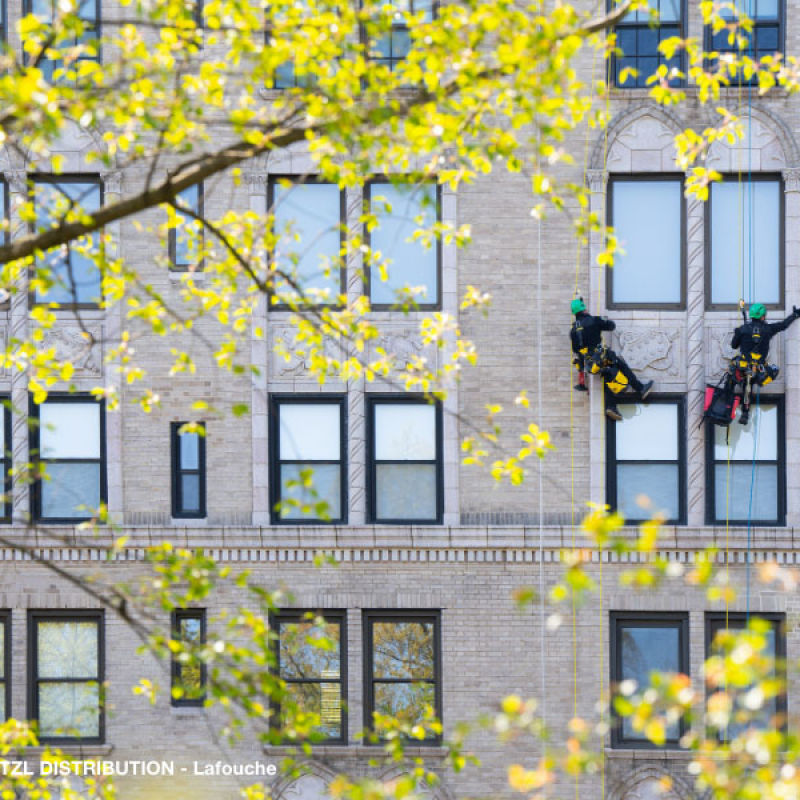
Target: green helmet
[[578, 305], [757, 311]]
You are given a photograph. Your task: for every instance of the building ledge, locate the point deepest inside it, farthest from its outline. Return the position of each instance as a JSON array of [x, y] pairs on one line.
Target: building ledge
[[648, 754], [353, 751], [78, 751]]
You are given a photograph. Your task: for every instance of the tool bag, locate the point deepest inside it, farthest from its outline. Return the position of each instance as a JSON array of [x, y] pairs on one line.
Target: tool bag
[[720, 403]]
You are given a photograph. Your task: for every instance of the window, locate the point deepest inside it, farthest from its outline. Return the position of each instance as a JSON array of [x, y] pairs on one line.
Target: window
[[766, 39], [646, 458], [66, 657], [400, 211], [773, 712], [3, 30], [88, 12], [5, 454], [309, 219], [188, 673], [73, 275], [742, 267], [405, 460], [643, 643], [756, 473], [392, 46], [186, 237], [647, 214], [312, 661], [308, 436], [5, 665], [402, 666], [70, 442], [188, 471]]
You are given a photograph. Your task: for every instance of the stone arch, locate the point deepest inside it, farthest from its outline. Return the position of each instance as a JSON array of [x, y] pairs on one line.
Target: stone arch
[[426, 790], [312, 784], [74, 143], [641, 138], [647, 783]]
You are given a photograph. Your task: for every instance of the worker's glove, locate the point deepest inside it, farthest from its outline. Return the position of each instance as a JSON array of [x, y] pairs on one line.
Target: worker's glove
[[796, 311]]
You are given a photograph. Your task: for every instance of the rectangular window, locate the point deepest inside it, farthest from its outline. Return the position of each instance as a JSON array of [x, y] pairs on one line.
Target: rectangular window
[[392, 46], [766, 38], [188, 471], [648, 216], [643, 643], [309, 219], [639, 34], [405, 460], [66, 657], [72, 277], [402, 666], [188, 672], [7, 461], [308, 440], [647, 459], [69, 440], [773, 712], [747, 462], [404, 264], [741, 265], [311, 658], [186, 237], [5, 665]]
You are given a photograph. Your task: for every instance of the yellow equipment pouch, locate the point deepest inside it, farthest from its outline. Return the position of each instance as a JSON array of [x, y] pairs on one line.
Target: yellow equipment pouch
[[619, 383], [584, 351], [594, 368], [755, 356], [766, 381]]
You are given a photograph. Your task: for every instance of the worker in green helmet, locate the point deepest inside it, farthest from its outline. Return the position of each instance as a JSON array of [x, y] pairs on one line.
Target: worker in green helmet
[[590, 351], [752, 339]]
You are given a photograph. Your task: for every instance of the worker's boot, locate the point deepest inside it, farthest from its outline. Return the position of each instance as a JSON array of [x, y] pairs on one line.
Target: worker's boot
[[581, 386], [645, 389], [744, 417], [612, 412]]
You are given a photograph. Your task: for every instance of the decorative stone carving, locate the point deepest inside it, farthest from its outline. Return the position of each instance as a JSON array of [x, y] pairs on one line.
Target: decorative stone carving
[[652, 789], [306, 787], [74, 143], [759, 148], [791, 180], [645, 144], [256, 181], [17, 180], [403, 345], [596, 180], [651, 349], [112, 182], [285, 339], [73, 345]]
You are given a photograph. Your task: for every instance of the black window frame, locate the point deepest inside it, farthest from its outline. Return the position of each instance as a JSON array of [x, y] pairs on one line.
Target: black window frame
[[6, 619], [756, 400], [7, 460], [300, 615], [275, 462], [178, 472], [4, 26], [367, 206], [433, 616], [649, 177], [305, 179], [35, 445], [678, 400], [756, 177], [645, 619], [374, 400], [681, 55], [721, 620], [176, 668], [66, 615], [90, 179], [172, 243]]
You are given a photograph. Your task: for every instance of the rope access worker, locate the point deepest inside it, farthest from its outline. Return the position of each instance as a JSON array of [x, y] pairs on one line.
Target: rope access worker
[[752, 339], [586, 336]]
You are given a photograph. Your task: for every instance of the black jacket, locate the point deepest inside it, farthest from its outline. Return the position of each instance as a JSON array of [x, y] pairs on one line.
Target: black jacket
[[755, 335], [587, 332]]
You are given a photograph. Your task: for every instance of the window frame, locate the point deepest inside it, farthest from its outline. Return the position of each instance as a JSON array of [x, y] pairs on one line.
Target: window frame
[[7, 460], [612, 463], [172, 237], [90, 179], [66, 615], [178, 472], [367, 237], [4, 26], [645, 619], [648, 177], [35, 447], [373, 400], [370, 616], [756, 177], [278, 399], [295, 616], [176, 616], [6, 619], [711, 463]]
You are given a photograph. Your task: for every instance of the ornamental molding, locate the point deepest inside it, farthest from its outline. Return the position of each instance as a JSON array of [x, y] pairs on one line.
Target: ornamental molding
[[17, 180], [82, 349], [596, 180], [791, 179], [112, 182], [655, 350], [402, 345], [290, 357]]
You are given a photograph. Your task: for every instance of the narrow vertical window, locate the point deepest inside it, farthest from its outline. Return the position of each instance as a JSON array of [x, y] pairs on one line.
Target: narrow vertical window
[[186, 236], [188, 470], [7, 461], [66, 657], [5, 665], [308, 439], [188, 670], [402, 667], [405, 460], [70, 442]]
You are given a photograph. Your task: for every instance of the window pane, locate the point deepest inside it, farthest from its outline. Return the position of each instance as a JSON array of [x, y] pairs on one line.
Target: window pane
[[190, 492], [67, 649], [405, 491], [658, 482], [190, 450], [732, 278], [410, 264], [405, 432], [325, 488], [647, 432], [310, 431], [766, 9], [190, 679], [647, 220], [70, 486], [402, 650], [741, 438], [670, 10], [307, 220], [191, 629], [737, 495], [2, 657], [405, 701], [69, 430], [322, 699], [186, 228], [69, 709], [303, 650]]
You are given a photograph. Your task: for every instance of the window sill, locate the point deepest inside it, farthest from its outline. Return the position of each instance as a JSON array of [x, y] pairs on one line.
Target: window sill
[[177, 275], [189, 522], [187, 711], [355, 750], [79, 750], [649, 754]]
